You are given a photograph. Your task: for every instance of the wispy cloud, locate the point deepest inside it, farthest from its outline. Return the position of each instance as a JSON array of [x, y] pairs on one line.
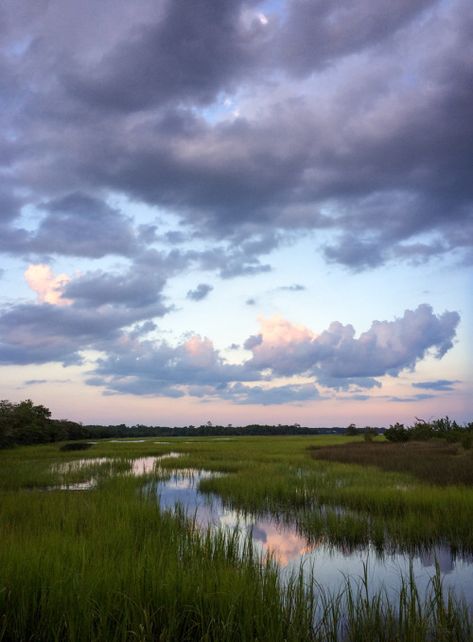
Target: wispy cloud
[[441, 385]]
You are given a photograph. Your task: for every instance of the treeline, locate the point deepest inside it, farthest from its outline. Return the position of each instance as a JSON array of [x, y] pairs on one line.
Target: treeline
[[421, 430], [26, 423], [206, 430]]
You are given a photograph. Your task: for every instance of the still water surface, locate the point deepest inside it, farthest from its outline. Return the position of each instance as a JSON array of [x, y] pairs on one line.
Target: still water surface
[[136, 467], [330, 564]]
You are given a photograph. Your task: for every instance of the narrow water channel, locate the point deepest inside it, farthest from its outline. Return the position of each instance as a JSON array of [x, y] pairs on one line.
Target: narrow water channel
[[330, 565]]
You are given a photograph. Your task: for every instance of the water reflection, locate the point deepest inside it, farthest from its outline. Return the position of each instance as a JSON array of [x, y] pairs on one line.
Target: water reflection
[[136, 467], [67, 467], [329, 564]]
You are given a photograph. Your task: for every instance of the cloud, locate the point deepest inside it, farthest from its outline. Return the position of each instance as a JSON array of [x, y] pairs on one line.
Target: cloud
[[317, 32], [49, 288], [275, 395], [353, 129], [441, 385], [78, 225], [9, 207], [388, 347], [375, 154], [295, 287], [200, 292], [101, 306], [355, 253], [237, 258], [159, 369], [137, 288], [349, 384], [82, 225], [411, 399], [334, 359], [189, 53]]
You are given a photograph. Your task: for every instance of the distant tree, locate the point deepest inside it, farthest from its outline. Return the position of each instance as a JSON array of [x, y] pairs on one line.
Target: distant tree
[[28, 423], [351, 430], [369, 433], [397, 433], [24, 423]]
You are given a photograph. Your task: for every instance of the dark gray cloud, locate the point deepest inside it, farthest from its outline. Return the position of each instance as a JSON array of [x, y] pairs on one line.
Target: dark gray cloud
[[9, 207], [355, 253], [45, 333], [374, 153], [190, 53], [75, 225], [200, 292], [133, 289], [137, 288], [354, 126], [317, 32], [239, 257], [82, 225]]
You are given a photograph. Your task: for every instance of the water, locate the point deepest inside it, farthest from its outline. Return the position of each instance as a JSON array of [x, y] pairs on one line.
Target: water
[[136, 467], [330, 564]]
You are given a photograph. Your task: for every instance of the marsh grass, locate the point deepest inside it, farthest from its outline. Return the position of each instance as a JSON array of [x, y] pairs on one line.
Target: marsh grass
[[435, 461], [354, 506], [107, 565]]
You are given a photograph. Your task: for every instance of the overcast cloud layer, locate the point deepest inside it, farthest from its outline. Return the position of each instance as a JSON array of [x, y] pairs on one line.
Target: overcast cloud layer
[[244, 126]]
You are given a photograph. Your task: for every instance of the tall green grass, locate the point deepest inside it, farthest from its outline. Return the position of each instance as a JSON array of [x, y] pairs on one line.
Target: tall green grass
[[106, 564]]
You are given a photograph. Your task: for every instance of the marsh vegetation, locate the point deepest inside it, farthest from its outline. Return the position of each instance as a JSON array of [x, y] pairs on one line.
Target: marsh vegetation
[[113, 563]]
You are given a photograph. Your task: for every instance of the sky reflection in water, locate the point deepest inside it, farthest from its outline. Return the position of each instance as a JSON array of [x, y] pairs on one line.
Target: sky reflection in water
[[330, 564], [138, 467]]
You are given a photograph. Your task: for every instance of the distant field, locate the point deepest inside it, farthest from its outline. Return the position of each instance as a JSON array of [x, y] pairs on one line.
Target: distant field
[[106, 564]]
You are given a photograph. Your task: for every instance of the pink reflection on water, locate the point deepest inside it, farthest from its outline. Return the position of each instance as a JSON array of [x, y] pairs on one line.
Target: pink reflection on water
[[281, 542]]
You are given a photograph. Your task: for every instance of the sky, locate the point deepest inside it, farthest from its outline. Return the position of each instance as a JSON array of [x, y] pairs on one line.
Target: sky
[[237, 211]]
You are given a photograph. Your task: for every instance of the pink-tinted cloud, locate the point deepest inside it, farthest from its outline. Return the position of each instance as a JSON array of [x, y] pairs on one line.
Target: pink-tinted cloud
[[48, 287], [388, 347]]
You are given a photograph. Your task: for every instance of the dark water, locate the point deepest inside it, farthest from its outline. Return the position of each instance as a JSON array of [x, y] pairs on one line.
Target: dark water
[[330, 565]]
